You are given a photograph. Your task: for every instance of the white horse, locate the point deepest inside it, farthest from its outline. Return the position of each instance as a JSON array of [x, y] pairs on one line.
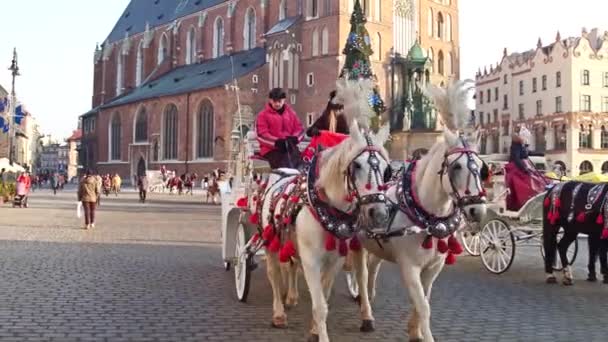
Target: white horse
[[348, 186], [442, 183]]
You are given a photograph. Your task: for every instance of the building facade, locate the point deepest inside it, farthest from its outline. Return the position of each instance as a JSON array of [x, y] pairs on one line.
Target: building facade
[[174, 79], [560, 92], [73, 144]]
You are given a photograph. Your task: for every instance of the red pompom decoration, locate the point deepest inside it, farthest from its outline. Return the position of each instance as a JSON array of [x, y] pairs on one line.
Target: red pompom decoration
[[268, 233], [599, 219], [355, 244], [330, 242], [450, 259], [368, 186], [442, 246], [295, 199], [555, 217], [285, 196], [428, 242], [454, 245], [287, 252], [275, 245], [255, 198], [343, 248], [547, 202], [605, 234], [580, 217], [254, 218], [287, 220], [242, 202], [277, 217], [255, 238], [558, 203]]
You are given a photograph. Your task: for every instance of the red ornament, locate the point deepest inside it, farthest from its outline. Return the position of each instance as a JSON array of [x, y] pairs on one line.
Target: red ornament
[[242, 202], [555, 217], [255, 198], [355, 244], [287, 220], [580, 217], [287, 252], [547, 202], [450, 259], [428, 242], [295, 199], [599, 219], [254, 218], [605, 234], [255, 238], [454, 246], [268, 233], [285, 196], [275, 245], [442, 246], [277, 217], [330, 242], [368, 186], [558, 203], [343, 248]]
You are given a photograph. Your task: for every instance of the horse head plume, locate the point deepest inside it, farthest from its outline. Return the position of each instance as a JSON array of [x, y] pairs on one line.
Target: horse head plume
[[354, 95]]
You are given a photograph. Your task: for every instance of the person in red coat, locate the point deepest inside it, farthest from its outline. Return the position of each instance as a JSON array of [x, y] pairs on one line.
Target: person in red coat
[[279, 131]]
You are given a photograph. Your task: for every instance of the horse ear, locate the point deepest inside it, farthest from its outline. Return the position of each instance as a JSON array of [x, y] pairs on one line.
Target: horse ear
[[355, 131], [450, 137], [383, 135]]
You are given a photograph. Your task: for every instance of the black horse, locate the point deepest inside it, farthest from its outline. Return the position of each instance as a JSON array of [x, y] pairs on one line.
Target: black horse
[[576, 207]]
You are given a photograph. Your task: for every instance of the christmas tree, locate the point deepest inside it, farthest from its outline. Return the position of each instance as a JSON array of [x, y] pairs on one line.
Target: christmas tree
[[358, 50]]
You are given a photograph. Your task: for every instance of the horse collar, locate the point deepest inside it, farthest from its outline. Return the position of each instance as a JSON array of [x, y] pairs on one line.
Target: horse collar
[[338, 223], [439, 227]]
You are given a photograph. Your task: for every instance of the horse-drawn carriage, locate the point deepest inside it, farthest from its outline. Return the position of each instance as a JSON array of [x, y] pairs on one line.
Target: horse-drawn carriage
[[498, 236]]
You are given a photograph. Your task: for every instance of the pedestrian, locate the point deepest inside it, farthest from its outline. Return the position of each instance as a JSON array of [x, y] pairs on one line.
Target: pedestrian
[[88, 194], [142, 184], [55, 183], [2, 176]]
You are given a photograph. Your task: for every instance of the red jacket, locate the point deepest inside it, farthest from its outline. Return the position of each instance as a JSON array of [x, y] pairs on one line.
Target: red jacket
[[271, 126]]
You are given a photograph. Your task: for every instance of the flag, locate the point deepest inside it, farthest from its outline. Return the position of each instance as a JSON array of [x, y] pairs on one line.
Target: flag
[[19, 114], [2, 106]]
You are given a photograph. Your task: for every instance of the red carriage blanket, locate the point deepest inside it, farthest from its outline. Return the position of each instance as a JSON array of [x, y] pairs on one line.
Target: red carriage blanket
[[522, 186]]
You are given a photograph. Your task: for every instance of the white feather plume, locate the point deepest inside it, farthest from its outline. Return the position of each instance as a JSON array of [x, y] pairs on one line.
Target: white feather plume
[[354, 95], [451, 102]]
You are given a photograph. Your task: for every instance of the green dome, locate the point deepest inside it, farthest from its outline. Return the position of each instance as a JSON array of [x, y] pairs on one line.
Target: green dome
[[415, 54]]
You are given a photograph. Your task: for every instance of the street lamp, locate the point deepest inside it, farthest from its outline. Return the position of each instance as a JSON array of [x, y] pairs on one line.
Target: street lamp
[[14, 68]]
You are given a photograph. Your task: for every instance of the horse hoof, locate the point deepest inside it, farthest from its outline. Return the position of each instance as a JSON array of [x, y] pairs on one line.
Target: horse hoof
[[551, 280], [592, 278], [313, 338], [367, 326], [568, 282], [279, 322]]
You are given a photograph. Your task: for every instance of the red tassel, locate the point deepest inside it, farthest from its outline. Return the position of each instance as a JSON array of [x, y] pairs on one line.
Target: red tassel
[[255, 198], [558, 203], [287, 220], [287, 252], [454, 246], [428, 242], [330, 243], [295, 199], [605, 234], [442, 246], [580, 217], [355, 244], [275, 245], [547, 202], [277, 217], [242, 202], [285, 196], [254, 218], [348, 198], [268, 233], [599, 219], [368, 186], [343, 248], [450, 259]]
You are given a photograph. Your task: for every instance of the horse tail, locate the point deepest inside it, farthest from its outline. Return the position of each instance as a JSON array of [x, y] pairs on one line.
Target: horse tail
[[549, 235]]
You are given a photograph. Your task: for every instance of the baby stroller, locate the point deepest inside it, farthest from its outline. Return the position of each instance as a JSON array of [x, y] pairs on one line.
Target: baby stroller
[[20, 198]]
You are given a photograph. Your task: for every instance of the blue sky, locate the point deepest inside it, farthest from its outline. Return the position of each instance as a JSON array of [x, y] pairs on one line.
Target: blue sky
[[56, 43]]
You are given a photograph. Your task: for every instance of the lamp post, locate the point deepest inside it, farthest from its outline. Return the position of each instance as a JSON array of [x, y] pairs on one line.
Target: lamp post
[[14, 68]]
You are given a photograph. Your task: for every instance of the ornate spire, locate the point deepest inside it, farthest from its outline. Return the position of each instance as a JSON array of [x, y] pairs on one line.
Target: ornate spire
[[504, 52], [558, 36], [539, 44]]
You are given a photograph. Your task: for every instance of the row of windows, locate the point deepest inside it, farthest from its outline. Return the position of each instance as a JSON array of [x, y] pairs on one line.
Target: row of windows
[[204, 132], [586, 78], [441, 67], [440, 28]]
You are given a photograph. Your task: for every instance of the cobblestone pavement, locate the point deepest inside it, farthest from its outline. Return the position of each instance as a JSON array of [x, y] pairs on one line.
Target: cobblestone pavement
[[153, 272]]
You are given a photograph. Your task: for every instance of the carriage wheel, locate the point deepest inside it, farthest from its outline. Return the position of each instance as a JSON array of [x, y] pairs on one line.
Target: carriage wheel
[[571, 253], [242, 265], [497, 246], [352, 285], [470, 240]]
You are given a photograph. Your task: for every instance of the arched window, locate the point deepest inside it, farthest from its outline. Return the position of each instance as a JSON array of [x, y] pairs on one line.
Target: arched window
[[440, 26], [448, 28], [163, 49], [605, 167], [170, 133], [585, 167], [450, 64], [139, 67], [115, 137], [290, 70], [315, 42], [313, 8], [540, 140], [204, 130], [325, 41], [191, 46], [119, 72], [283, 9], [604, 137], [560, 138], [431, 56], [440, 62], [249, 33], [430, 23], [218, 38], [584, 137], [141, 126]]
